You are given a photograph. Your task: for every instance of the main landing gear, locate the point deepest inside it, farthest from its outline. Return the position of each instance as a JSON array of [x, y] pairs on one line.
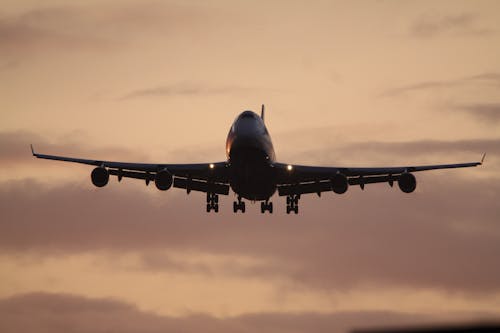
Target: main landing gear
[[212, 202], [239, 205], [266, 206], [292, 203]]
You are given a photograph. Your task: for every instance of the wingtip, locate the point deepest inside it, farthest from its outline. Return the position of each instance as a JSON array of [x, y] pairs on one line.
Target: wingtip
[[32, 150], [482, 159]]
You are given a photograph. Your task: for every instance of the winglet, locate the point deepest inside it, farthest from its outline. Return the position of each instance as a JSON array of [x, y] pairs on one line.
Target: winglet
[[482, 159], [32, 150], [262, 112]]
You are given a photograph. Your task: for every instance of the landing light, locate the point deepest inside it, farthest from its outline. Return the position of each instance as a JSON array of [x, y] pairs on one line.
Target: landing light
[[211, 166], [289, 167]]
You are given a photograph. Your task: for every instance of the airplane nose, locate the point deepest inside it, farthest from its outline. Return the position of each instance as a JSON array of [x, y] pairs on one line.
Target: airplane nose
[[246, 127], [246, 134]]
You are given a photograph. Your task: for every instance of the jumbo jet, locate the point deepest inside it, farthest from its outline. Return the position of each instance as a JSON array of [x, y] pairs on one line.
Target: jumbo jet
[[252, 172]]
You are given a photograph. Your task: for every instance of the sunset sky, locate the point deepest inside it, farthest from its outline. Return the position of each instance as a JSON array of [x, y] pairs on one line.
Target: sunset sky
[[345, 83]]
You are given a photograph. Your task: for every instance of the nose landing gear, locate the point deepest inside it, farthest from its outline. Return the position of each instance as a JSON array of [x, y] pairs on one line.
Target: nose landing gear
[[212, 202], [239, 205], [292, 203]]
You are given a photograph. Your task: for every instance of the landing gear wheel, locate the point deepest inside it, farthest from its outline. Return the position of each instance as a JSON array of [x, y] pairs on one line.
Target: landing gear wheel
[[239, 205], [212, 202], [292, 203]]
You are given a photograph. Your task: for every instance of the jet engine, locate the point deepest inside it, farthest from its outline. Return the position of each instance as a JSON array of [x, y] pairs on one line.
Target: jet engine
[[100, 176], [163, 180], [407, 182], [339, 183]]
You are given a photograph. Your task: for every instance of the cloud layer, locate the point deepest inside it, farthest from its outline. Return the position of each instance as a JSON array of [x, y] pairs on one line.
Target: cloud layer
[[63, 312]]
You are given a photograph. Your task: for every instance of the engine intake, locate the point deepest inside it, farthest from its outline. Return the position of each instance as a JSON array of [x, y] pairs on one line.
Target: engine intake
[[407, 182], [339, 183], [163, 180], [100, 176]]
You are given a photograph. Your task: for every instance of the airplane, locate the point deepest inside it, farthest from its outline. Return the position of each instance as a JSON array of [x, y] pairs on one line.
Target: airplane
[[252, 172]]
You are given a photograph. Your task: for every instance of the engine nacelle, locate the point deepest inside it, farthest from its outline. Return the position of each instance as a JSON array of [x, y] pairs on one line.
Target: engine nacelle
[[100, 176], [407, 182], [339, 183], [163, 180]]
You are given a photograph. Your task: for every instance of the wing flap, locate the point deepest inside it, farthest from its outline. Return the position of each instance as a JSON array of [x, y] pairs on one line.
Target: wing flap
[[201, 186]]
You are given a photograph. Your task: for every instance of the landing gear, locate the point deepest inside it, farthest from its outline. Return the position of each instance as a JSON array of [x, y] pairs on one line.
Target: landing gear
[[266, 206], [239, 205], [292, 203], [212, 202]]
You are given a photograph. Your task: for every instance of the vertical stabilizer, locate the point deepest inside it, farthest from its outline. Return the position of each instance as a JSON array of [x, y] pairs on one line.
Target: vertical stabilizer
[[262, 112]]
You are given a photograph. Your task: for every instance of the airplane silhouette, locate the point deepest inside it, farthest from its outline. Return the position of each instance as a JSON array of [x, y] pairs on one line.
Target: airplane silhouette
[[252, 172]]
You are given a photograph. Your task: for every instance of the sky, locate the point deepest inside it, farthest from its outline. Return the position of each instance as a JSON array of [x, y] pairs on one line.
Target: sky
[[345, 83]]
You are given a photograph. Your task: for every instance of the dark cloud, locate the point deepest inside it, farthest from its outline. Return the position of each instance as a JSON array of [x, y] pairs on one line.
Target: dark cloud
[[444, 236], [402, 153], [487, 112], [487, 79], [45, 29], [15, 149], [464, 24], [97, 27], [44, 312], [180, 89], [318, 248]]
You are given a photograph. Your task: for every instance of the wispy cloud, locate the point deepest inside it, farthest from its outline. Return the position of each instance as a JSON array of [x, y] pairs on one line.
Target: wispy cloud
[[181, 89], [489, 78], [15, 149], [56, 313], [485, 112], [464, 24], [93, 27]]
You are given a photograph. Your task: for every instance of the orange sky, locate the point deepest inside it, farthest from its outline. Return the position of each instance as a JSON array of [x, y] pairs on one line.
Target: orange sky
[[359, 83]]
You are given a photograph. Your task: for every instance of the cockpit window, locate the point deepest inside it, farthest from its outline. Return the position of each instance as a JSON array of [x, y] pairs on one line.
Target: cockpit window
[[248, 114]]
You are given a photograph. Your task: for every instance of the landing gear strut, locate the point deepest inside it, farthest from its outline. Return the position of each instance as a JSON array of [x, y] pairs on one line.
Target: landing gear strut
[[239, 205], [266, 206], [292, 203], [212, 202]]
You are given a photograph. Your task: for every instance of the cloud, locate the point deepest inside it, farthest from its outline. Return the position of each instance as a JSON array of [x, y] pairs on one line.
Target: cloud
[[46, 29], [486, 112], [45, 312], [443, 237], [69, 218], [464, 24], [15, 149], [94, 27], [385, 153], [180, 89], [487, 79]]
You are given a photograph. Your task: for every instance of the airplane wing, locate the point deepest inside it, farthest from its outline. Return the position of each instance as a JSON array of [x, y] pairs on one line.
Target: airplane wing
[[301, 179], [204, 177]]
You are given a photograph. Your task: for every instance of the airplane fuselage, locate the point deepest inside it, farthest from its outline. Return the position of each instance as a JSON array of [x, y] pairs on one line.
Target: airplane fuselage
[[250, 154]]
